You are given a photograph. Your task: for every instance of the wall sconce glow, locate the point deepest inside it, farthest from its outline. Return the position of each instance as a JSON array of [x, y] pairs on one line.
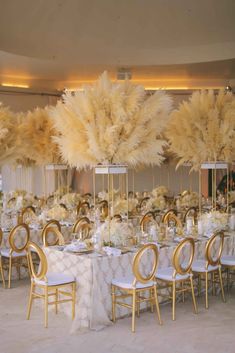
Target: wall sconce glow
[[73, 89], [16, 85]]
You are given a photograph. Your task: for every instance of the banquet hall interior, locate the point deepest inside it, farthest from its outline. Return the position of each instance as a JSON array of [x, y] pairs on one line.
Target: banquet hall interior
[[117, 176]]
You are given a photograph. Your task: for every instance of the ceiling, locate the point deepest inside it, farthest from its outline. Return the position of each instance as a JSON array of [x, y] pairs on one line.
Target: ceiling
[[52, 44]]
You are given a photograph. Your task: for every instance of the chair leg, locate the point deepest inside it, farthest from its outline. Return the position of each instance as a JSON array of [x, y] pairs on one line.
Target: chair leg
[[113, 304], [9, 274], [73, 300], [199, 285], [30, 301], [133, 309], [2, 273], [228, 279], [151, 301], [46, 306], [221, 285], [157, 305], [207, 305], [193, 296], [183, 293], [213, 283], [138, 305], [173, 300]]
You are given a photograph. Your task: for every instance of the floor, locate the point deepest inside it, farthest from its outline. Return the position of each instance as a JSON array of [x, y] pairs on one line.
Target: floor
[[210, 331]]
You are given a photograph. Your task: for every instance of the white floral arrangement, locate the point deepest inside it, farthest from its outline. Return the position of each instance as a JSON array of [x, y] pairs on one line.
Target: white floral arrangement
[[213, 221], [120, 205], [70, 199], [160, 191], [57, 212], [119, 232], [188, 199], [156, 203], [104, 195]]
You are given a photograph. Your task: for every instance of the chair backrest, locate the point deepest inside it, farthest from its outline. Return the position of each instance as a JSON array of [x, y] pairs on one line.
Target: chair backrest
[[166, 215], [144, 201], [51, 223], [77, 225], [11, 202], [147, 218], [54, 232], [41, 271], [27, 213], [171, 217], [180, 265], [104, 208], [214, 246], [136, 264], [83, 208], [192, 211], [14, 238]]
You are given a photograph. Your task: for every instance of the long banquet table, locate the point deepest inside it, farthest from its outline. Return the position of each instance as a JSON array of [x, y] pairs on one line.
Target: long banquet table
[[94, 274]]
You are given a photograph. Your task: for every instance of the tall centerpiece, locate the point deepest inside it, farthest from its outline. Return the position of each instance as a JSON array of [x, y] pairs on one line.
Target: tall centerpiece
[[202, 132], [111, 125]]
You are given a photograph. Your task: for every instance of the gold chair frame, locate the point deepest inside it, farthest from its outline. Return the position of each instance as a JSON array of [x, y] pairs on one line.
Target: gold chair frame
[[178, 269], [117, 217], [172, 217], [212, 262], [187, 213], [27, 210], [136, 293], [1, 267], [16, 261], [49, 290], [52, 222], [59, 236], [81, 206], [171, 211], [148, 217], [82, 220]]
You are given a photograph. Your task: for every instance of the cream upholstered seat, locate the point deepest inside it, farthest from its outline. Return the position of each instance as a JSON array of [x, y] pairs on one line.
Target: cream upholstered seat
[[54, 279], [50, 284], [201, 266], [136, 286], [211, 264], [167, 274], [179, 278], [8, 253], [127, 282]]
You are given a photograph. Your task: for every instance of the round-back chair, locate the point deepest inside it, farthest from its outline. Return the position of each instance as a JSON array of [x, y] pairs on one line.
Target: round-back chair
[[147, 218], [52, 236], [191, 212]]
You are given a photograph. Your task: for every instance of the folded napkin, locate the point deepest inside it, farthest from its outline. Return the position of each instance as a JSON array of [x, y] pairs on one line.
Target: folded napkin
[[75, 246], [111, 251]]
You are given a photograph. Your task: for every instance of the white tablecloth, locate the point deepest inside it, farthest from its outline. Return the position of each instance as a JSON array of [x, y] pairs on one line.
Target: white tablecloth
[[94, 275]]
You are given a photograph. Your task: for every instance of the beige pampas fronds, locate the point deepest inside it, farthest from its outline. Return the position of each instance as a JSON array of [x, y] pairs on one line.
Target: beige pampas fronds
[[203, 129], [36, 131], [9, 135], [111, 123]]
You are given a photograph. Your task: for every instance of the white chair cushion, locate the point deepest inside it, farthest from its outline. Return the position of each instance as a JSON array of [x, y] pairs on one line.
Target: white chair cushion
[[127, 283], [54, 279], [228, 260], [6, 253], [200, 266], [166, 274]]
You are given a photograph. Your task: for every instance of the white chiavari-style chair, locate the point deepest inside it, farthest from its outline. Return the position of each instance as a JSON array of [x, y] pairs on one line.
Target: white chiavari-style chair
[[1, 267], [136, 286], [50, 284], [179, 278], [16, 255], [211, 264]]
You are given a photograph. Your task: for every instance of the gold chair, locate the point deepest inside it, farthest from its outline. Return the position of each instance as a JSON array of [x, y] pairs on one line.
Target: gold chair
[[51, 284], [166, 215], [15, 255], [180, 274], [118, 218], [171, 217], [104, 209], [83, 208], [1, 267], [27, 214], [192, 211], [135, 286], [55, 235], [147, 218], [84, 226], [52, 223], [228, 264], [211, 264]]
